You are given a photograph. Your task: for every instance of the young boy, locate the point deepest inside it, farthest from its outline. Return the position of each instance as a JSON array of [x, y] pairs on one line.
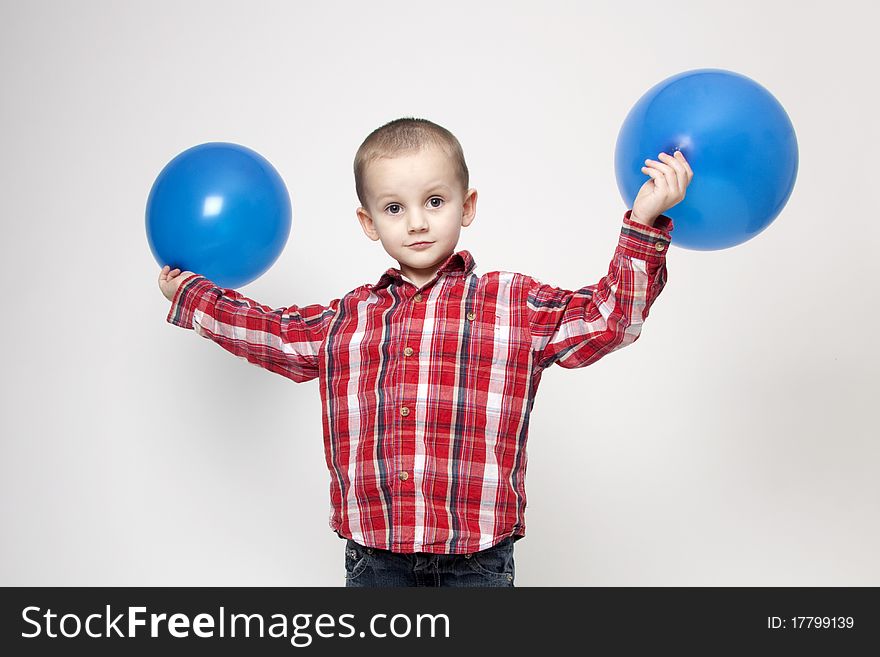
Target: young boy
[[428, 375]]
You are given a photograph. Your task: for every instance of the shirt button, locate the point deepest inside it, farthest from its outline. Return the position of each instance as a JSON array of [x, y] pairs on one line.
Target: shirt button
[[403, 475], [404, 411], [471, 316], [659, 246], [418, 296], [408, 351]]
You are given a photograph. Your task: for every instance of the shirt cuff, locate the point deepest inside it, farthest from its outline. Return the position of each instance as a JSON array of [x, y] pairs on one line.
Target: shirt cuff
[[645, 242], [186, 300]]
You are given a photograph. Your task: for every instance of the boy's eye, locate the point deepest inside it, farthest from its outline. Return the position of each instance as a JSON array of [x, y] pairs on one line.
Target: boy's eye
[[390, 206]]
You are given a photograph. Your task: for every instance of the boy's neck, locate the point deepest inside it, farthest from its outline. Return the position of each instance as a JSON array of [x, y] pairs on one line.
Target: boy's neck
[[419, 278]]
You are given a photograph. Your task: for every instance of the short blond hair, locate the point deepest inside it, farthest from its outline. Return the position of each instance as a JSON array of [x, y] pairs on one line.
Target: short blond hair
[[406, 135]]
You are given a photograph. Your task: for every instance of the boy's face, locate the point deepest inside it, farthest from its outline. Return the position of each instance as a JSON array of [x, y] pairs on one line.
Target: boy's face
[[416, 197]]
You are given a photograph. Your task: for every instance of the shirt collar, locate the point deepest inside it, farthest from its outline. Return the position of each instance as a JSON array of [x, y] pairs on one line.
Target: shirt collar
[[460, 263]]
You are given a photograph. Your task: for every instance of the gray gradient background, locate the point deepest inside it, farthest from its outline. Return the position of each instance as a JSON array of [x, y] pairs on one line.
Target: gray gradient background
[[730, 445]]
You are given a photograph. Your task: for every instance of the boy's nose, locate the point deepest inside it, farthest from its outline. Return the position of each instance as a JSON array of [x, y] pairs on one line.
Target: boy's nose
[[417, 221]]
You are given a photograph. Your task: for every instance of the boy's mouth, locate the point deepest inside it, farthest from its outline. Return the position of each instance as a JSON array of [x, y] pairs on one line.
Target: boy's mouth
[[420, 243]]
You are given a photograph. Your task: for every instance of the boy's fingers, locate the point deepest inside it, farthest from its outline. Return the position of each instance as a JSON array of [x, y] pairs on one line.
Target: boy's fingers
[[687, 167], [656, 174], [678, 175], [668, 172], [659, 164], [672, 162], [680, 171]]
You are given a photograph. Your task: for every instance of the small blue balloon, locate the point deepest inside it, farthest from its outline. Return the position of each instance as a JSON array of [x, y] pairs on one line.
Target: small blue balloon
[[739, 142], [220, 210]]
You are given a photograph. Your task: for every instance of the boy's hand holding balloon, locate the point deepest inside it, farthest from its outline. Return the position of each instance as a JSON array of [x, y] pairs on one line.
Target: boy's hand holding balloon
[[670, 177], [170, 280]]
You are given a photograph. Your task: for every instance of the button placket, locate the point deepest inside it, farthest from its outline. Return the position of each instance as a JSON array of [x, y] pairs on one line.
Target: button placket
[[406, 374]]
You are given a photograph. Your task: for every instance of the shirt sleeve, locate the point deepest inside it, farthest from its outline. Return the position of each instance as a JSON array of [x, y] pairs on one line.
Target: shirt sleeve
[[576, 328], [286, 341]]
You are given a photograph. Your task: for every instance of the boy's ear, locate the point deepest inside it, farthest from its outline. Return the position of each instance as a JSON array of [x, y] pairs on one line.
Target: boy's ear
[[367, 224], [469, 207]]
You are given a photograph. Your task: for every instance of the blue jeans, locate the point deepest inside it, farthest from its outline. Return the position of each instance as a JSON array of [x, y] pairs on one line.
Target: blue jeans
[[370, 567]]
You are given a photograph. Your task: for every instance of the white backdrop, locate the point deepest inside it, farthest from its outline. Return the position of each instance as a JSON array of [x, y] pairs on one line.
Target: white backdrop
[[730, 445]]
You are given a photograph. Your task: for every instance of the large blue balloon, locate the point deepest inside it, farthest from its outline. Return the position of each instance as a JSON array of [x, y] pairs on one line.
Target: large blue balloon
[[739, 142], [220, 210]]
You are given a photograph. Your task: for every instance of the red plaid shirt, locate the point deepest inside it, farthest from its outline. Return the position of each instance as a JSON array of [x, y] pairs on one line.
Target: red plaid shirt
[[426, 392]]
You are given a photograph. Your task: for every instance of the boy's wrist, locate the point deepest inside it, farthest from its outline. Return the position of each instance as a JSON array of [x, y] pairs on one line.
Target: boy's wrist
[[185, 300], [648, 242], [647, 222]]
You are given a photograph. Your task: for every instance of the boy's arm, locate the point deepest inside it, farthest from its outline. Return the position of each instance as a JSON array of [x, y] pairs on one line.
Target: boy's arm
[[576, 328], [282, 340]]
